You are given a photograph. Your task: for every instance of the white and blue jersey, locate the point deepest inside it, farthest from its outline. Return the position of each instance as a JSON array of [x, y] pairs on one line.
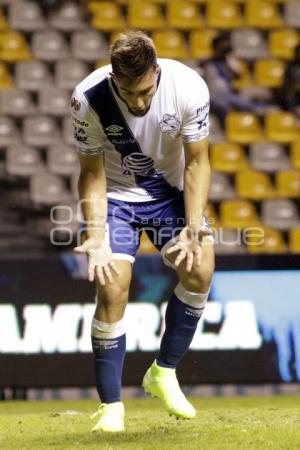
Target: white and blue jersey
[[144, 156]]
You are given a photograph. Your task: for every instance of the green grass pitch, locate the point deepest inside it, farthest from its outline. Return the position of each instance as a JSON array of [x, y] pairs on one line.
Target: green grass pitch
[[221, 424]]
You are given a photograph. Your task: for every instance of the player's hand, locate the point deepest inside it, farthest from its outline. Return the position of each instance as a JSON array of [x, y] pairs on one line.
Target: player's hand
[[99, 259], [189, 245]]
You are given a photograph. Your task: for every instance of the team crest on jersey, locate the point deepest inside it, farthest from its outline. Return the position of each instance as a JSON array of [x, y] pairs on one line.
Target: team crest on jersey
[[169, 124], [137, 163], [114, 130]]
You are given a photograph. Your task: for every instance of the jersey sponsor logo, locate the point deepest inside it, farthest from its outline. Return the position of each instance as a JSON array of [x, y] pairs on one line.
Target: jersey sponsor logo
[[203, 123], [80, 135], [137, 163], [75, 104], [169, 124], [202, 109], [114, 130], [82, 123]]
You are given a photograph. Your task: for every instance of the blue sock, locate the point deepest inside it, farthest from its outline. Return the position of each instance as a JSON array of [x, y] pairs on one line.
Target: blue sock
[[109, 346], [181, 323]]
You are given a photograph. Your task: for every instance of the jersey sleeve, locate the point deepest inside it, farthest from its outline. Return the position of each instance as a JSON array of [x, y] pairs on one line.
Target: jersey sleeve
[[195, 122], [88, 135]]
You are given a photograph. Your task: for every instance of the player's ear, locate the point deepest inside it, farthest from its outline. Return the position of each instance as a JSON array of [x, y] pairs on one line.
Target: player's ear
[[113, 76]]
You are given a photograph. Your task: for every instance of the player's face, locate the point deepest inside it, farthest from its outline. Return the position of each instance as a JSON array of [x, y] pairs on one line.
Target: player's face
[[138, 94]]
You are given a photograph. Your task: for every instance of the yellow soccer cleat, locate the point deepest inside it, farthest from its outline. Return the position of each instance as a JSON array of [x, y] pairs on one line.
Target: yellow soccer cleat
[[111, 417], [162, 382]]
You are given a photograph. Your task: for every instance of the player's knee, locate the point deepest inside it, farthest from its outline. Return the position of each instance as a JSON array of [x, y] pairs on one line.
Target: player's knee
[[198, 280], [112, 294]]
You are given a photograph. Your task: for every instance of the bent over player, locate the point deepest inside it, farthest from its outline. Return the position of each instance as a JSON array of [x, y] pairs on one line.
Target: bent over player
[[141, 127]]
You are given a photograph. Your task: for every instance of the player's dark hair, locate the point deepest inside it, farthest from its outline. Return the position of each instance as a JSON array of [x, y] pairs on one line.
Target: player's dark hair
[[132, 55]]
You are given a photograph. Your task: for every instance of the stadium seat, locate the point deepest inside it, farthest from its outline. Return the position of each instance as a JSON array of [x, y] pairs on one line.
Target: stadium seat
[[249, 44], [89, 46], [294, 240], [26, 16], [13, 47], [269, 73], [68, 17], [282, 43], [5, 78], [62, 159], [40, 131], [280, 214], [211, 214], [229, 242], [223, 15], [295, 154], [54, 101], [271, 242], [69, 73], [228, 158], [288, 184], [220, 188], [32, 75], [245, 79], [146, 246], [50, 46], [170, 44], [268, 157], [243, 128], [107, 17], [292, 14], [48, 189], [23, 161], [16, 103], [200, 43], [253, 185], [68, 131], [262, 14], [183, 15], [216, 134], [281, 127], [9, 133], [147, 17], [238, 214]]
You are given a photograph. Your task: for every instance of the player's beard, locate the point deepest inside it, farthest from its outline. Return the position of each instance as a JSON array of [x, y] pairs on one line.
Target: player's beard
[[137, 113]]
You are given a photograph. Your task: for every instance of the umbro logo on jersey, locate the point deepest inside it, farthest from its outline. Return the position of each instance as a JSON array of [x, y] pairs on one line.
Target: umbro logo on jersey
[[114, 130]]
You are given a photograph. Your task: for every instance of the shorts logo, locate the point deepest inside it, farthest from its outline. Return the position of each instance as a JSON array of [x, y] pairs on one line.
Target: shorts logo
[[114, 130], [137, 163], [169, 124]]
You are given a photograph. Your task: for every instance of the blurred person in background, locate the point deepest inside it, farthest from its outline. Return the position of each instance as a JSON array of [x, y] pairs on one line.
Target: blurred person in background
[[220, 71], [291, 85], [141, 129]]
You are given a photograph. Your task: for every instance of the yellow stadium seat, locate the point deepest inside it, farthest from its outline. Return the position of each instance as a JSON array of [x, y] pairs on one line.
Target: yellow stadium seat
[[5, 79], [102, 63], [282, 43], [212, 217], [254, 185], [145, 17], [183, 15], [288, 183], [281, 127], [200, 43], [267, 240], [107, 16], [245, 79], [238, 214], [269, 73], [295, 154], [146, 245], [13, 47], [223, 15], [294, 240], [170, 44], [243, 128], [263, 15], [228, 158]]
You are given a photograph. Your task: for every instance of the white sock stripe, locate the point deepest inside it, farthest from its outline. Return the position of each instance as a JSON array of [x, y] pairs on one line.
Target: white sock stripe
[[195, 299], [103, 330]]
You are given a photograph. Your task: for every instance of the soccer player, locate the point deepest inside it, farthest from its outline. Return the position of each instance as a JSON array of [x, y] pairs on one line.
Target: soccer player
[[141, 127]]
